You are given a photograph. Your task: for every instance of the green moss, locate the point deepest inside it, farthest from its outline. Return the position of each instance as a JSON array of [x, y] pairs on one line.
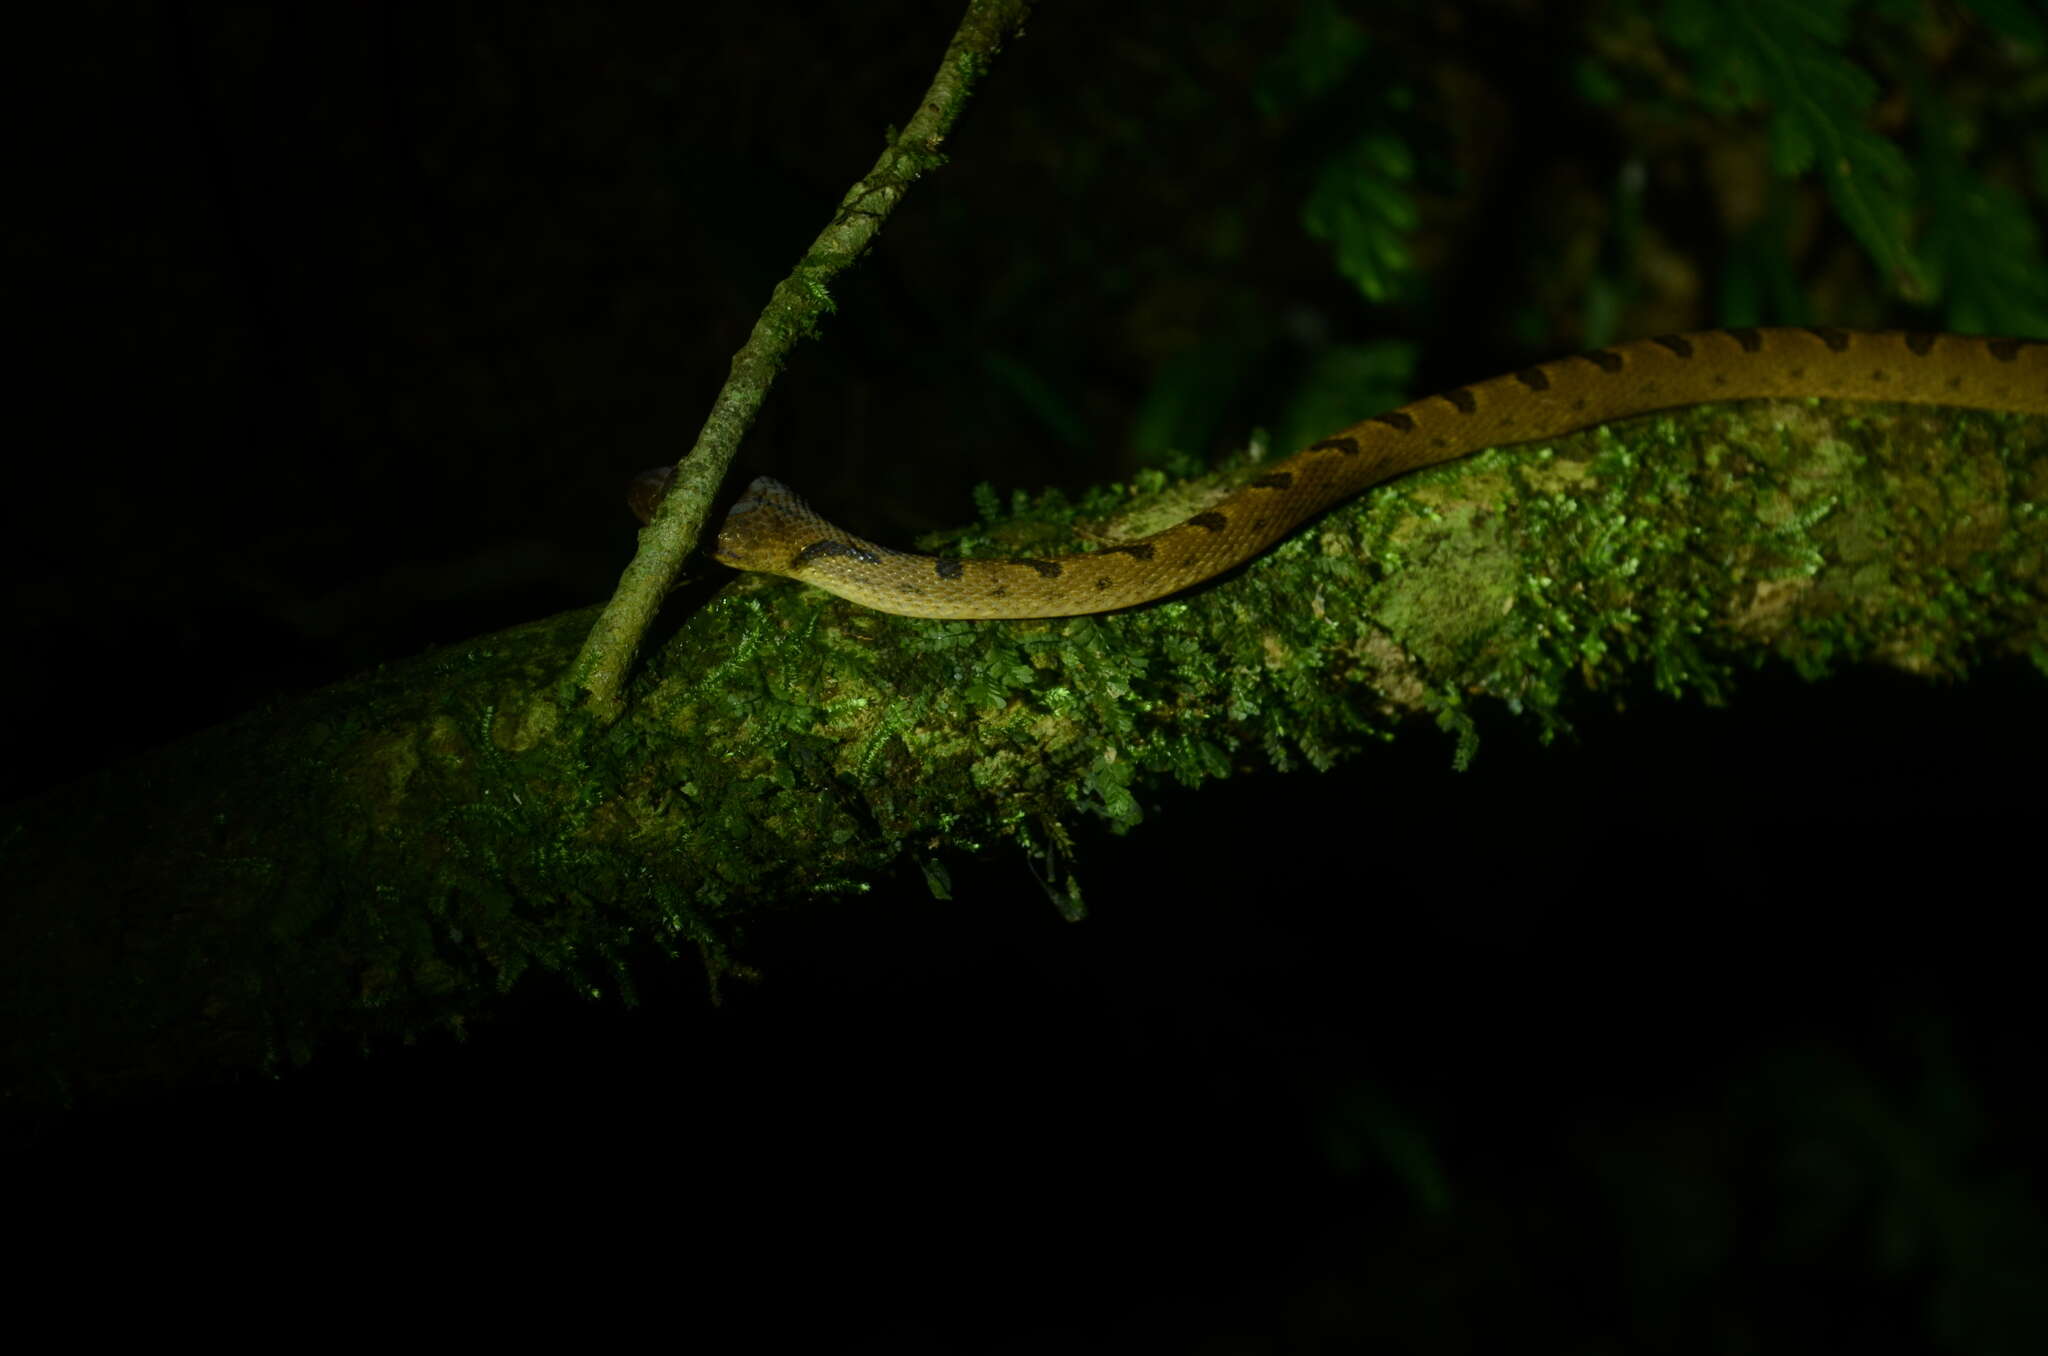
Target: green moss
[[415, 842], [1668, 552]]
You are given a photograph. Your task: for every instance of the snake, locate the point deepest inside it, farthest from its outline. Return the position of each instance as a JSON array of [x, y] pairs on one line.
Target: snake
[[769, 529]]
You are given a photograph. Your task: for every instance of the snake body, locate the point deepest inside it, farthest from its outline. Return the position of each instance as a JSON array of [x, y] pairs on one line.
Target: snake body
[[771, 530]]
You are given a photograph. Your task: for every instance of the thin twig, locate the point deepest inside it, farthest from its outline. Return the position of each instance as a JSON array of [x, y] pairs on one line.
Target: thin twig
[[794, 309]]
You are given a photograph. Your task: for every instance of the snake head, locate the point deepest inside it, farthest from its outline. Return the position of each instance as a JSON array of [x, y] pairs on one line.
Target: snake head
[[767, 528], [771, 530]]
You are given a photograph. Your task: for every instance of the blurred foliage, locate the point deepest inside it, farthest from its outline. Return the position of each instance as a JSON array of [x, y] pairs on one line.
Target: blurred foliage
[[2016, 19], [470, 276], [1341, 384], [1875, 1172], [1741, 144], [1982, 246], [1786, 59], [1360, 202]]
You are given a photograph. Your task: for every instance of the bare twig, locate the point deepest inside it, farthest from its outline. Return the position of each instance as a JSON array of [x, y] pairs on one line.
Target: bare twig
[[793, 311]]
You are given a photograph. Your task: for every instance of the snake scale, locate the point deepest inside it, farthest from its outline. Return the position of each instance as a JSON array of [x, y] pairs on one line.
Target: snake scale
[[771, 530]]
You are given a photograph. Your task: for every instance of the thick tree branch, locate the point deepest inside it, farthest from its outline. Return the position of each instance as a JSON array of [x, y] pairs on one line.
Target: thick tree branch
[[393, 853]]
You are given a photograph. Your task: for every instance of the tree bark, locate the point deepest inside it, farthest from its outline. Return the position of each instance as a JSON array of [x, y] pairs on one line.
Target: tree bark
[[393, 853]]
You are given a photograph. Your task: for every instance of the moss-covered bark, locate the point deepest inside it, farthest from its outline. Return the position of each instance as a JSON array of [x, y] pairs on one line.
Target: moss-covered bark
[[393, 852]]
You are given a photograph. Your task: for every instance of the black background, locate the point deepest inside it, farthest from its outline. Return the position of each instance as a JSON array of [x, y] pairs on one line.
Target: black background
[[342, 332]]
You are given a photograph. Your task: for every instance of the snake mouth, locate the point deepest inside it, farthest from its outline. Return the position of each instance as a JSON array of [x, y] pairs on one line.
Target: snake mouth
[[725, 547]]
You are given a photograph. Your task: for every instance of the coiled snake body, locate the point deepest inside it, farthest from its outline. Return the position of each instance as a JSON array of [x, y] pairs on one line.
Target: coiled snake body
[[771, 530]]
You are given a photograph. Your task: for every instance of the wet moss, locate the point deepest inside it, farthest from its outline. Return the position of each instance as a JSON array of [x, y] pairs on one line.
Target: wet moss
[[391, 854]]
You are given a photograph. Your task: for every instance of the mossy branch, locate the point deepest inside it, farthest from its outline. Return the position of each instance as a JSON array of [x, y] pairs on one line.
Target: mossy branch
[[392, 854], [794, 309]]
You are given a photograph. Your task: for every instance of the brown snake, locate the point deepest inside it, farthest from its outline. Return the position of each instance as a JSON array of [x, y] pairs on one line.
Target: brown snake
[[771, 530]]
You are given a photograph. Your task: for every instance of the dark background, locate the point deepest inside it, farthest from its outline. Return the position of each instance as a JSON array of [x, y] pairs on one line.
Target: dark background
[[343, 328]]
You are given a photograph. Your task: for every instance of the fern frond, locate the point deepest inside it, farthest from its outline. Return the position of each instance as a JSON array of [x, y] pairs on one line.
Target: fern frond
[[1320, 54], [1981, 245], [1361, 205], [1786, 57]]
